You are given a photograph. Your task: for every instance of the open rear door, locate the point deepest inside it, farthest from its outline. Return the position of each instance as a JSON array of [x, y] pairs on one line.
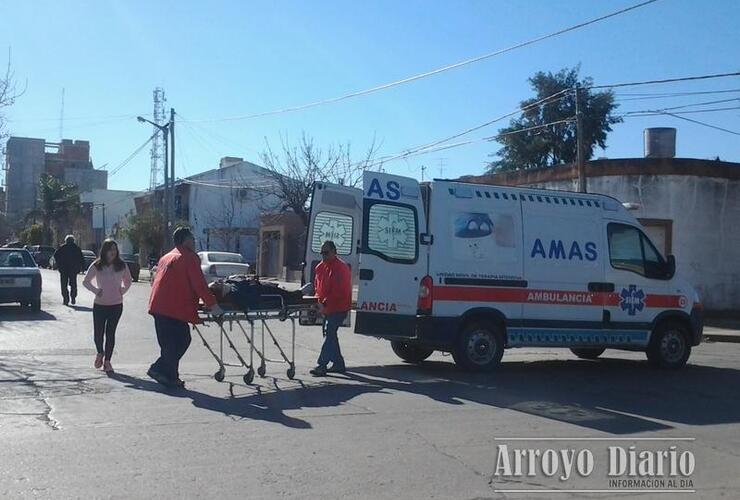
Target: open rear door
[[392, 264], [336, 215]]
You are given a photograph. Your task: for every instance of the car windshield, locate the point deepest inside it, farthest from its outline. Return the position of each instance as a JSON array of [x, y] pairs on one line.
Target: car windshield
[[16, 259], [226, 257]]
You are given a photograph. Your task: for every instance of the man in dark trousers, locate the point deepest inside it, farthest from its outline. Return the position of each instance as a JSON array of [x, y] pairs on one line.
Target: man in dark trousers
[[178, 286], [69, 262], [333, 287]]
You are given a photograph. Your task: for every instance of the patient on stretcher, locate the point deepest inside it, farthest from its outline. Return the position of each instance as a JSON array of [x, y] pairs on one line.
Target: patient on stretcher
[[248, 293]]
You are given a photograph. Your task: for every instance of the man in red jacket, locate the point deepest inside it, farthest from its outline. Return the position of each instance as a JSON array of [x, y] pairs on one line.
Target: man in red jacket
[[178, 286], [333, 285]]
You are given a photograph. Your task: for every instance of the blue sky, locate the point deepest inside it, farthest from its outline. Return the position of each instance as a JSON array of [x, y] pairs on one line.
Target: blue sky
[[225, 58]]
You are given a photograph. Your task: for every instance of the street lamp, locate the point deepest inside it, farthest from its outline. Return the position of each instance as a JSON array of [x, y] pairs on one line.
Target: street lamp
[[169, 184]]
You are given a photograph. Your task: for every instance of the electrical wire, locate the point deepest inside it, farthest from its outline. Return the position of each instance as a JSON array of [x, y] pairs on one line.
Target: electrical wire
[[648, 96], [656, 112], [434, 71], [667, 80], [701, 123], [131, 156]]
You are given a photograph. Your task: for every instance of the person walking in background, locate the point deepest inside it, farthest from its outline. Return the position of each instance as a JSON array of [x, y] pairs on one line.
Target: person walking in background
[[69, 262], [177, 287], [112, 279], [333, 287]]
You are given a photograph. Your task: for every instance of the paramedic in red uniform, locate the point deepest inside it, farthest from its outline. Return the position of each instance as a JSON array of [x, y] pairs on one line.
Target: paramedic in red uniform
[[333, 286], [174, 303]]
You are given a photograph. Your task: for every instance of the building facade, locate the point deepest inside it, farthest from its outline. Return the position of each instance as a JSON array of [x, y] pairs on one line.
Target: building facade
[[689, 208], [222, 206], [27, 159]]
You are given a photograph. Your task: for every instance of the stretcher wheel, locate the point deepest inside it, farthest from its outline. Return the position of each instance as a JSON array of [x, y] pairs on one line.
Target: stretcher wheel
[[261, 371], [249, 376], [291, 373], [219, 375]]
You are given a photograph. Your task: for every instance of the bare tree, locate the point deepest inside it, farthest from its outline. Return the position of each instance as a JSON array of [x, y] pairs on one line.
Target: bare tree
[[9, 92], [295, 169], [221, 222]]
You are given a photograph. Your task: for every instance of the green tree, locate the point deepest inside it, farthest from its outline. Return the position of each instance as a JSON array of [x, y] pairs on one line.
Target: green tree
[[555, 144], [59, 206], [145, 231], [32, 235]]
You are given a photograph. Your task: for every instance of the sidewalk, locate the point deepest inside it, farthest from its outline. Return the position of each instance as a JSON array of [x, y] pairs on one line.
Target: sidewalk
[[722, 330]]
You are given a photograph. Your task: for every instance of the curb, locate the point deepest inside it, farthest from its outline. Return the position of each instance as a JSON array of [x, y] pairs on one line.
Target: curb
[[732, 339]]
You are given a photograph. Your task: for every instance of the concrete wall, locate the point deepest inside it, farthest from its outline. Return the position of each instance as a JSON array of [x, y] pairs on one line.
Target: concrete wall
[[86, 179], [704, 211], [26, 162]]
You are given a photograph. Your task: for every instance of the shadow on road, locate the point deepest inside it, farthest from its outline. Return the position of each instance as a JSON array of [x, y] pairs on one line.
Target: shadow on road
[[616, 396], [17, 313], [81, 308]]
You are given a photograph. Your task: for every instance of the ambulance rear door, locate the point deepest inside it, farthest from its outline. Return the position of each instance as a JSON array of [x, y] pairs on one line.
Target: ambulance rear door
[[393, 257], [336, 215]]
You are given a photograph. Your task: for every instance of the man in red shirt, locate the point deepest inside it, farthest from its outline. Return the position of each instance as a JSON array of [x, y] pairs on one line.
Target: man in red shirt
[[178, 286], [333, 286]]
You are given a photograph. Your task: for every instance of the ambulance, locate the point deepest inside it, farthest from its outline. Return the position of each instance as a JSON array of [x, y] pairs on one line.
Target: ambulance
[[473, 269]]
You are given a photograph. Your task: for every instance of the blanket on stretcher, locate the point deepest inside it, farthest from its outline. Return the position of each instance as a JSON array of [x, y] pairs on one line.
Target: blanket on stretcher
[[249, 294]]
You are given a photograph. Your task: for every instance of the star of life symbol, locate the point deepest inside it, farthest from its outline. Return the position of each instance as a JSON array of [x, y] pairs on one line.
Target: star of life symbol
[[333, 231], [632, 300], [392, 230]]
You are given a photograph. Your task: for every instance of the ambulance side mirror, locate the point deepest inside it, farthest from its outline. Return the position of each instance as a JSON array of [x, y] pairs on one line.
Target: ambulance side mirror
[[670, 266]]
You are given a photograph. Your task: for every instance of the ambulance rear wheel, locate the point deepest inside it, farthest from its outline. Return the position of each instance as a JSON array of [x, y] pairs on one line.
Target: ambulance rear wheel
[[410, 353], [669, 346], [588, 352], [480, 347]]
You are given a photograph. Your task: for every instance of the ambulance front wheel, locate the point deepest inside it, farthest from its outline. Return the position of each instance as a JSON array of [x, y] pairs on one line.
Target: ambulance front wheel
[[588, 352], [410, 353], [479, 347], [669, 346]]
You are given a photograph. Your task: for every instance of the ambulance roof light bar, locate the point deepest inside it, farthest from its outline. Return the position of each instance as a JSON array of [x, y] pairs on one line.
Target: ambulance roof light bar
[[631, 206]]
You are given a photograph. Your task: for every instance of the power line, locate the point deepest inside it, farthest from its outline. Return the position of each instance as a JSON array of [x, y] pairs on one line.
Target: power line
[[435, 71], [702, 123], [656, 112], [667, 80], [661, 95], [131, 156]]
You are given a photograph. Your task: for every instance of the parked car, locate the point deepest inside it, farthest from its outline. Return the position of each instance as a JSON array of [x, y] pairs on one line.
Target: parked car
[[89, 257], [218, 265], [20, 278], [132, 261], [41, 254]]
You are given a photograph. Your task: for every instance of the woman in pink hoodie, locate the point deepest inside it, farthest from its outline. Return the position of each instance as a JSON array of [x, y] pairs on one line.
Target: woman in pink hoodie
[[112, 279]]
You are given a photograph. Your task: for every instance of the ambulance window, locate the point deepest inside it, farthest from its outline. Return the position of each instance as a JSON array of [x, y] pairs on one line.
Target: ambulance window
[[334, 227], [625, 248], [654, 264], [391, 232]]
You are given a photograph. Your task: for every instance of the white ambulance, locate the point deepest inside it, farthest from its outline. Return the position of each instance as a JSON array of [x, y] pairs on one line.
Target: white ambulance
[[473, 269]]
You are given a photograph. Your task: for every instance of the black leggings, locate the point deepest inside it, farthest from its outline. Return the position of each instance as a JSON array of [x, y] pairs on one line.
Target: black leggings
[[105, 320]]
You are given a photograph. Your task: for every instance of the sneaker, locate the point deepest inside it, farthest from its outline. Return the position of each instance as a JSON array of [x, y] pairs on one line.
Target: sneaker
[[180, 383], [98, 360], [337, 369], [319, 371], [107, 368], [65, 302]]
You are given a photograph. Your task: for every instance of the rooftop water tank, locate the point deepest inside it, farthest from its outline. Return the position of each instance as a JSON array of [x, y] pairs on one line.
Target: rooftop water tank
[[660, 142]]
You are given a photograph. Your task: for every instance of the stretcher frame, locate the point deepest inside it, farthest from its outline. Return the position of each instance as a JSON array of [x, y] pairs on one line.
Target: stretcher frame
[[252, 317]]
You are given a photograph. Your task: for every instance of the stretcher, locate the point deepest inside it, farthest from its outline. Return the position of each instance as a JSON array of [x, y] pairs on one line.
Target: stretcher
[[236, 322]]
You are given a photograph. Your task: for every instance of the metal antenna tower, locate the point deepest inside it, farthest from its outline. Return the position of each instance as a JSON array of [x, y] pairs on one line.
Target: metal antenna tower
[[157, 153]]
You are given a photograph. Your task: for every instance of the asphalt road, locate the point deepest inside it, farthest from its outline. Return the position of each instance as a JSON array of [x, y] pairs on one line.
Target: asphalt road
[[384, 430]]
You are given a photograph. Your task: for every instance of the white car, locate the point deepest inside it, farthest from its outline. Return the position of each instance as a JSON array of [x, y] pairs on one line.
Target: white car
[[217, 265], [20, 278]]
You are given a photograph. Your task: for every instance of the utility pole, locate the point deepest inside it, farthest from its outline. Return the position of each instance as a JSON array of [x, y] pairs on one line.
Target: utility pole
[[423, 169], [105, 233], [579, 144], [166, 200], [172, 175]]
